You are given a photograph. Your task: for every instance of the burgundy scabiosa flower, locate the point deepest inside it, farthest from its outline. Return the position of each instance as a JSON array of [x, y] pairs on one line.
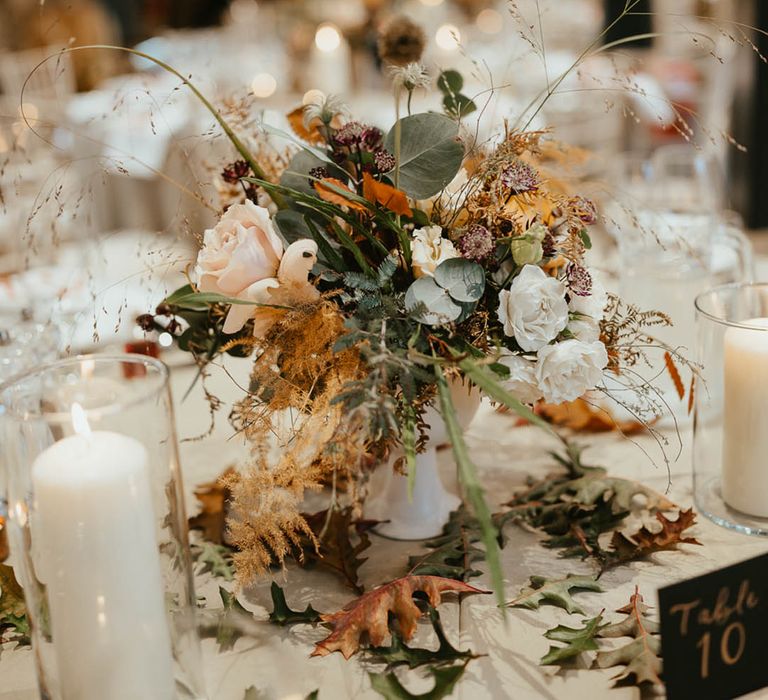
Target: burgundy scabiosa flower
[[371, 138], [520, 177], [579, 280], [477, 243], [349, 135], [233, 172], [384, 160]]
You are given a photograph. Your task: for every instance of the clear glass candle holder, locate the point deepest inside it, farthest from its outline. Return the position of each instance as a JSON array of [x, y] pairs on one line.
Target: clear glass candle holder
[[730, 432], [98, 529]]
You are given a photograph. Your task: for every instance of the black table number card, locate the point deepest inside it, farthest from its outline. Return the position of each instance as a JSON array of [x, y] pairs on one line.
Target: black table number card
[[714, 632]]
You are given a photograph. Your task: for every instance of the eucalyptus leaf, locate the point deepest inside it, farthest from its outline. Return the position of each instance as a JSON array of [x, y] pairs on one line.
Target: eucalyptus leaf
[[463, 279], [458, 106], [450, 81], [430, 153], [429, 303], [292, 226], [296, 174]]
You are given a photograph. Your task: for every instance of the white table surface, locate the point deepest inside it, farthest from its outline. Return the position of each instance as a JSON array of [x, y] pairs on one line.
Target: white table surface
[[276, 660]]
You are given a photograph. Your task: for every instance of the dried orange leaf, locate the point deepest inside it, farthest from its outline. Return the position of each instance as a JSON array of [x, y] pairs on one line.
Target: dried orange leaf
[[670, 365], [370, 612], [308, 132], [386, 195], [691, 394], [333, 196], [644, 542]]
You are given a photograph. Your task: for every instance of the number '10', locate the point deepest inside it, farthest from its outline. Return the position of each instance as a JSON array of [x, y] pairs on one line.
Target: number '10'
[[735, 629]]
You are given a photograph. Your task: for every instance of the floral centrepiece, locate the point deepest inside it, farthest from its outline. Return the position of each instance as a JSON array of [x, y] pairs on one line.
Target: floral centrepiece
[[387, 269]]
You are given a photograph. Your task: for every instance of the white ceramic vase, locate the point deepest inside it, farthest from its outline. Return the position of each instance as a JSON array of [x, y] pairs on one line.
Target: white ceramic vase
[[424, 515]]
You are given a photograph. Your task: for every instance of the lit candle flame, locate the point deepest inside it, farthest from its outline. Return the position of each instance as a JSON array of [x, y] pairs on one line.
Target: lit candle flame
[[80, 421]]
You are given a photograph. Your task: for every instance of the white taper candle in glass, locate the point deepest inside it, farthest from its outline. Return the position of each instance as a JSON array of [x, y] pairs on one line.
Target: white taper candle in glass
[[745, 431], [95, 536]]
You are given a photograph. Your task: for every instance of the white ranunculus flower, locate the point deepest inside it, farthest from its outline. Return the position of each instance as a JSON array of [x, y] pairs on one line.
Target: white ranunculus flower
[[534, 309], [521, 381], [240, 250], [566, 370], [585, 329], [594, 304], [429, 249]]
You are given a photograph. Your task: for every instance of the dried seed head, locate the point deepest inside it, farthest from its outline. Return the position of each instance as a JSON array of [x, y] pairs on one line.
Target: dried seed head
[[401, 42]]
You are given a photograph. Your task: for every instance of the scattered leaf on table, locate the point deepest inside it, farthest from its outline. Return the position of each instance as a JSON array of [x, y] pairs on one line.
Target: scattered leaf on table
[[214, 501], [640, 656], [13, 611], [390, 198], [454, 551], [215, 559], [314, 695], [576, 640], [555, 591], [253, 693], [336, 551], [370, 612], [399, 653], [580, 416], [282, 615], [228, 630], [640, 544], [331, 194], [388, 685]]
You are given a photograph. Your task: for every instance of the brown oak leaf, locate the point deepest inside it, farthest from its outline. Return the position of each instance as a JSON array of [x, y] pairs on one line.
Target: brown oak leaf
[[214, 501], [337, 552], [644, 541], [370, 612], [333, 196], [581, 416], [390, 198]]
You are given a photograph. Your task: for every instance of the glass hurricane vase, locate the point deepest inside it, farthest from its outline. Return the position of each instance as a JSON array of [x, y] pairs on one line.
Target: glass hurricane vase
[[730, 439], [98, 529]]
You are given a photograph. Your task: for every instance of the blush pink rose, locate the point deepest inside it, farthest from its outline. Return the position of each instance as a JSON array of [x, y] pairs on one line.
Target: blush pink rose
[[240, 250]]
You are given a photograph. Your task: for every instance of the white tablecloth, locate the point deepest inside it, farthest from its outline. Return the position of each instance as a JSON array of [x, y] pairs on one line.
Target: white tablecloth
[[276, 661]]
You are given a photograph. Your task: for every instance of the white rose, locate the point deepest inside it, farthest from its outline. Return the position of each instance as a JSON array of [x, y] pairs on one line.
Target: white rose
[[534, 310], [566, 370], [594, 304], [585, 329], [521, 381], [429, 249]]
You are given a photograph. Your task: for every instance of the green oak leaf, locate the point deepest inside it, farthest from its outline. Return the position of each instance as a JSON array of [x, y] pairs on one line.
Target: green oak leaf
[[228, 633], [389, 687], [253, 693], [216, 559], [399, 653], [430, 153], [454, 551], [282, 615], [555, 591], [576, 640], [641, 660]]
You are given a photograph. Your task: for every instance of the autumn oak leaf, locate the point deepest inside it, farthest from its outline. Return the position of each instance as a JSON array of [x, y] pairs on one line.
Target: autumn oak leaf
[[381, 193], [214, 504], [333, 190], [369, 614], [308, 132]]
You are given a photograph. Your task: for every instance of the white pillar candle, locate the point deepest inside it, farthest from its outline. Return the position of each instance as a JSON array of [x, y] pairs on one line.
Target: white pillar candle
[[745, 432], [95, 530]]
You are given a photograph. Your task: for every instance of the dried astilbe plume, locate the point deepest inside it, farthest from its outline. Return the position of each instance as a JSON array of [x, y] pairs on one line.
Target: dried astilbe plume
[[291, 409], [401, 42]]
